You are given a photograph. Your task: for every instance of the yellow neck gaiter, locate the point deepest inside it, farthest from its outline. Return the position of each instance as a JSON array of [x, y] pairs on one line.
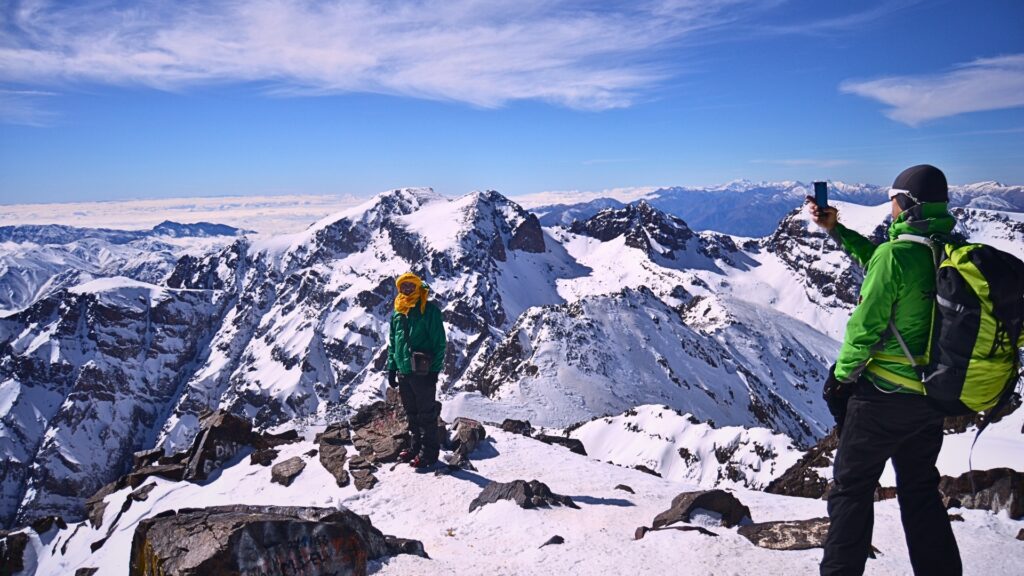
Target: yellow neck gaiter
[[404, 303]]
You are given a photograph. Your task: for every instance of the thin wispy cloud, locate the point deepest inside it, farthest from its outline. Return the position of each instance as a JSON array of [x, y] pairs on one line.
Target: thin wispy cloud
[[26, 108], [482, 53], [984, 84], [850, 22]]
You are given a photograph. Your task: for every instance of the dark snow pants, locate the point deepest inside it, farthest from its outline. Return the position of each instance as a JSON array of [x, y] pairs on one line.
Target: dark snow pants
[[418, 394], [908, 429]]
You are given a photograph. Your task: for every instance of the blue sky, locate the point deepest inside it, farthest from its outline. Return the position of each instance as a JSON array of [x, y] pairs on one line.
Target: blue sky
[[114, 100]]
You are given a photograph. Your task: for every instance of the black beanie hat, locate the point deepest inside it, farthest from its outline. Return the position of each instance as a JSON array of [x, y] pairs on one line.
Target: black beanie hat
[[923, 183]]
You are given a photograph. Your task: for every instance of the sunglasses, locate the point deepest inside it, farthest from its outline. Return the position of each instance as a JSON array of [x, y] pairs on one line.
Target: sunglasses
[[894, 192]]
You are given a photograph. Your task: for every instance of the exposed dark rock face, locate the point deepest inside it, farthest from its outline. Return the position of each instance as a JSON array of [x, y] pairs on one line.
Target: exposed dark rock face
[[525, 494], [284, 473], [528, 236], [12, 552], [237, 540], [625, 488], [574, 445], [788, 535], [998, 489], [43, 525], [732, 511], [801, 479], [466, 436], [222, 436]]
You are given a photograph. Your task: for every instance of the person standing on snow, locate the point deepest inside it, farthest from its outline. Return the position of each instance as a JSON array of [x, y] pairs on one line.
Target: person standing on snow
[[415, 358], [874, 393]]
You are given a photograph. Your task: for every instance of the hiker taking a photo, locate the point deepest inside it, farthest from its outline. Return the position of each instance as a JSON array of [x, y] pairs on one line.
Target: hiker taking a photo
[[416, 347], [877, 395]]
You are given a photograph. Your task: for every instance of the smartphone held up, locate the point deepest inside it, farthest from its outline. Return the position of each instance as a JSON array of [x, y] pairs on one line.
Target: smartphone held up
[[821, 194]]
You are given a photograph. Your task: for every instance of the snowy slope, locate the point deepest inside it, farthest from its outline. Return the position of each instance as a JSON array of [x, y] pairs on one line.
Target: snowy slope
[[503, 539]]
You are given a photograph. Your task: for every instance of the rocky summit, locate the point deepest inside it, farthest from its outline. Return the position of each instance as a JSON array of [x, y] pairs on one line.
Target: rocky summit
[[624, 346]]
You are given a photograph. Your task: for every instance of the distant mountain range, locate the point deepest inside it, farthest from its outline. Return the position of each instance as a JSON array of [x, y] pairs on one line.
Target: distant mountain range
[[752, 209]]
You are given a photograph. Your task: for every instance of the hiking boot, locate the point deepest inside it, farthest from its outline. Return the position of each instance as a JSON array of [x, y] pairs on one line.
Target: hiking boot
[[407, 455], [421, 462]]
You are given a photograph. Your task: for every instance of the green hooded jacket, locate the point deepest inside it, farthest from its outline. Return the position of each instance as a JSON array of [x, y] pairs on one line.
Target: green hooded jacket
[[426, 334], [899, 285]]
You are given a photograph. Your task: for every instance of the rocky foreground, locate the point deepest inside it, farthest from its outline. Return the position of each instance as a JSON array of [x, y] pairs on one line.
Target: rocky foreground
[[511, 500]]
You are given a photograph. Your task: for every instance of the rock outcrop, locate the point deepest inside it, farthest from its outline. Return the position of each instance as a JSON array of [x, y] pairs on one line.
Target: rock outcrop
[[236, 540], [333, 453], [284, 473]]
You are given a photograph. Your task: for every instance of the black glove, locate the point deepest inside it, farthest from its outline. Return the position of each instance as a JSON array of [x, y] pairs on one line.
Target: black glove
[[392, 378], [836, 394]]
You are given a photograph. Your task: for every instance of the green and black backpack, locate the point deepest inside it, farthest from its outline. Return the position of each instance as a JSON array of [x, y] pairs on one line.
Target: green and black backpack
[[973, 358]]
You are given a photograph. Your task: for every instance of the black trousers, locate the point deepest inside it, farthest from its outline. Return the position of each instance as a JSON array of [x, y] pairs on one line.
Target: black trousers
[[908, 429], [418, 394]]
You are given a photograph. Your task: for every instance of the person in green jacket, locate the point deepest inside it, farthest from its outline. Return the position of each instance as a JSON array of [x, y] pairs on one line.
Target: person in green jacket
[[876, 395], [416, 347]]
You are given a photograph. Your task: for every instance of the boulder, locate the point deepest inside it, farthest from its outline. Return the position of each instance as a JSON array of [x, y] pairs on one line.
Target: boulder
[[266, 440], [467, 435], [236, 540], [787, 535], [337, 433], [12, 552], [221, 436], [87, 571], [263, 456], [625, 488], [363, 479], [1020, 535], [284, 473], [525, 494], [522, 427], [731, 510], [801, 479], [572, 444], [997, 489], [646, 470]]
